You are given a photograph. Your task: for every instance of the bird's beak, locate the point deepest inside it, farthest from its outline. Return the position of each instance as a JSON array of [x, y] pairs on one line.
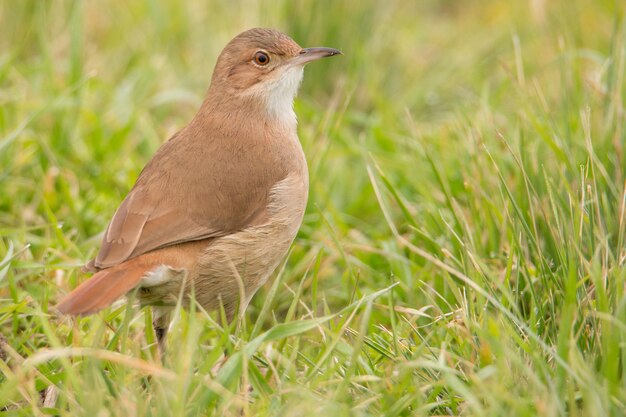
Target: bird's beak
[[313, 54]]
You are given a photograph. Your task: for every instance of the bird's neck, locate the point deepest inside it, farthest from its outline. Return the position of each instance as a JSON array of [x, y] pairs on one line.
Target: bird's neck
[[270, 102], [248, 115]]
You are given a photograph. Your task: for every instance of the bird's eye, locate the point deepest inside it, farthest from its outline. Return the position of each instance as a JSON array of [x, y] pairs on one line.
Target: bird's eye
[[261, 58]]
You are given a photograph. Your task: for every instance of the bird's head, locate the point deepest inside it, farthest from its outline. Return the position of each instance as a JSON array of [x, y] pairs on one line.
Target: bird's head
[[264, 66]]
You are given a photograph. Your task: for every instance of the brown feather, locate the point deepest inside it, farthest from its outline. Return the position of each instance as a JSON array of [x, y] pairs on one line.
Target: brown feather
[[107, 285], [222, 189]]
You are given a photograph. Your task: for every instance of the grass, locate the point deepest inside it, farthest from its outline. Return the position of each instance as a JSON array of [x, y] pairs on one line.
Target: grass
[[464, 246]]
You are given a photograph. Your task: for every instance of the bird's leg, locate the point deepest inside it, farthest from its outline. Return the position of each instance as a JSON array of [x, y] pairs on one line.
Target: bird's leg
[[161, 317]]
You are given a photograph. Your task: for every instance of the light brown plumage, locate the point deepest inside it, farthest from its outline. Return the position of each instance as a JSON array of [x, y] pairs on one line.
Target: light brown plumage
[[219, 204]]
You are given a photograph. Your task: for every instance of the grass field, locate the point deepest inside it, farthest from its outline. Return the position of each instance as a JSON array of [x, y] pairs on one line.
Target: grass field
[[463, 251]]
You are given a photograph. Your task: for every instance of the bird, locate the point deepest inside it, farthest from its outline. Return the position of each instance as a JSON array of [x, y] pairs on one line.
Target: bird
[[215, 210]]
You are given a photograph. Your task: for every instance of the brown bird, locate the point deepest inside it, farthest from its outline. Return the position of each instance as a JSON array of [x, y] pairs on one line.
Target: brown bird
[[216, 209]]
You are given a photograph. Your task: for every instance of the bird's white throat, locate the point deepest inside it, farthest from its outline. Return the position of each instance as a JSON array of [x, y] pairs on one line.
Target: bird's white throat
[[280, 93]]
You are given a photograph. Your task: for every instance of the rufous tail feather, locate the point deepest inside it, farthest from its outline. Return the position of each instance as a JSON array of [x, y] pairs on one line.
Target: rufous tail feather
[[102, 289]]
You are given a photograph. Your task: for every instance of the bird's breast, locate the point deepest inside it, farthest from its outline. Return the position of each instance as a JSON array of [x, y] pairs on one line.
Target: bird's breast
[[287, 201]]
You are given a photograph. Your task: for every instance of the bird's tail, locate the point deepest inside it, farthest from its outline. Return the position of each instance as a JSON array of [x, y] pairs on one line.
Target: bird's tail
[[102, 289]]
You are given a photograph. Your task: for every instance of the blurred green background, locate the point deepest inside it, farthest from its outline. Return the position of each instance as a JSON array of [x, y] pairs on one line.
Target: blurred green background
[[469, 151]]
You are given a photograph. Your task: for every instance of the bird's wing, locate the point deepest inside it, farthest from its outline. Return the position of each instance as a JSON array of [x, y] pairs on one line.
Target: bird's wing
[[190, 190], [140, 225]]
